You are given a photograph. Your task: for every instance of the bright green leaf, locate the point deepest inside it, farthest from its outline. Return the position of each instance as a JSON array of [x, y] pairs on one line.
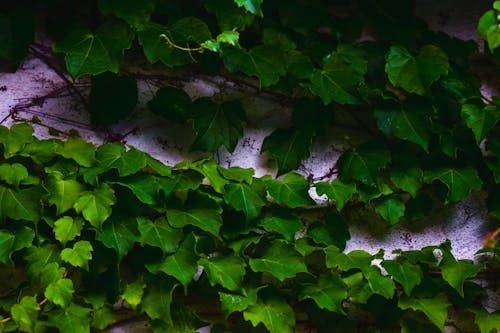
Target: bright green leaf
[[159, 234], [455, 272], [237, 303], [72, 319], [228, 271], [336, 190], [25, 313], [79, 150], [480, 120], [13, 174], [63, 193], [66, 229], [133, 292], [60, 292], [51, 273], [15, 138], [487, 322], [379, 284], [253, 6], [96, 206], [208, 219], [292, 191], [354, 259], [79, 255], [22, 204], [409, 275], [435, 308], [276, 315]]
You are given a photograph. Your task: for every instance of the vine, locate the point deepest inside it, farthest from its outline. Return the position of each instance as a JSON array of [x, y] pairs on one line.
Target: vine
[[82, 227]]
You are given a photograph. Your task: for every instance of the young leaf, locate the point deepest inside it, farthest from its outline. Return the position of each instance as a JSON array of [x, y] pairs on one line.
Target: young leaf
[[159, 234], [292, 191], [487, 322], [379, 284], [280, 259], [96, 206], [364, 162], [409, 275], [118, 234], [86, 52], [60, 292], [460, 182], [66, 229], [246, 198], [287, 227], [217, 125], [435, 308], [289, 147], [13, 174], [391, 208], [228, 271], [328, 293], [63, 193], [25, 313], [276, 315], [79, 255], [79, 150], [71, 319], [158, 298], [336, 190], [15, 138], [133, 292], [480, 120]]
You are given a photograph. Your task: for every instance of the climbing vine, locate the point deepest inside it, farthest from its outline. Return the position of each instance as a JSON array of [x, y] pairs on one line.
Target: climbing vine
[[85, 227]]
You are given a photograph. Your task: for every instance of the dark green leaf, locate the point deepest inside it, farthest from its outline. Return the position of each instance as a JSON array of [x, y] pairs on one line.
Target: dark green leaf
[[72, 319], [246, 198], [354, 259], [379, 284], [206, 218], [158, 298], [480, 120], [328, 293], [22, 204], [234, 302], [336, 190], [287, 227], [435, 308], [455, 272], [133, 12], [229, 16], [39, 257], [276, 315], [228, 271], [331, 230], [409, 275], [159, 233], [460, 182], [292, 191], [391, 208], [17, 31], [118, 234], [172, 103]]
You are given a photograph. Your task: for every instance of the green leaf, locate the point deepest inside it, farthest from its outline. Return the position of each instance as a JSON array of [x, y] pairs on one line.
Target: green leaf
[[206, 218], [13, 174], [79, 255], [409, 180], [15, 138], [276, 315], [51, 273], [487, 322], [333, 229], [409, 275], [355, 259], [292, 191], [379, 284], [246, 198], [266, 62], [416, 74], [158, 298], [66, 229], [485, 23], [210, 169], [87, 52], [228, 15], [391, 208], [328, 293], [71, 319], [182, 264], [159, 234], [237, 303], [336, 85], [253, 6], [145, 187], [336, 190], [227, 271], [287, 227], [435, 308], [79, 150], [408, 122], [480, 120], [134, 13], [238, 174], [363, 163], [289, 147], [112, 98], [171, 103], [63, 193], [39, 257], [6, 243], [279, 259], [22, 204], [455, 272], [460, 182], [60, 292], [217, 125], [96, 206], [25, 313], [133, 292], [180, 181], [118, 234]]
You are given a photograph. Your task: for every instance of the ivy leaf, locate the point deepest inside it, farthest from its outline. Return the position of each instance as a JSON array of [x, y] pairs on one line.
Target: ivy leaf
[[63, 193], [237, 303], [171, 103], [355, 259], [289, 147], [228, 271], [336, 84], [133, 292], [379, 284], [96, 206], [217, 125], [6, 243], [276, 315], [79, 150], [228, 15], [480, 120], [112, 98], [455, 272], [87, 52], [206, 218], [391, 208], [145, 187], [416, 74], [158, 298], [13, 174], [408, 122], [51, 273], [210, 169], [15, 138], [118, 234], [287, 227], [435, 308], [280, 259], [237, 174], [180, 181], [79, 255], [159, 234], [12, 242], [71, 319], [328, 293], [246, 198], [460, 182], [331, 230], [133, 12], [292, 191], [363, 163], [60, 292], [487, 322], [66, 229], [336, 190], [25, 313], [253, 6], [182, 264], [409, 275], [39, 257], [23, 204], [266, 62]]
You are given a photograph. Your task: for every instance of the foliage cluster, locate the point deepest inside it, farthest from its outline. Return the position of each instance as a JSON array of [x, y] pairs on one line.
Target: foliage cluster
[[83, 226]]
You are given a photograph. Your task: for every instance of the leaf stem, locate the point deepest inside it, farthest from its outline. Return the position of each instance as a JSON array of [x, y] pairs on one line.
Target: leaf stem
[[188, 49]]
